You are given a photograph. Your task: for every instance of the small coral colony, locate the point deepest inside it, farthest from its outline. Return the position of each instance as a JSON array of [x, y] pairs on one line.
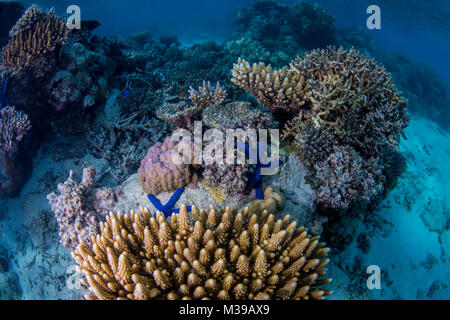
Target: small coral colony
[[339, 115]]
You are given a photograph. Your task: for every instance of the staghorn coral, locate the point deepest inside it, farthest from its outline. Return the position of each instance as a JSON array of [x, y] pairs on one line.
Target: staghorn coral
[[274, 89], [14, 126], [34, 35], [272, 203], [219, 255], [235, 115], [158, 173], [350, 90], [207, 95]]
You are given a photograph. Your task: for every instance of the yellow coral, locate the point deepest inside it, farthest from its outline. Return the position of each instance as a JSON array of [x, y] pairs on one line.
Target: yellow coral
[[219, 255], [216, 193]]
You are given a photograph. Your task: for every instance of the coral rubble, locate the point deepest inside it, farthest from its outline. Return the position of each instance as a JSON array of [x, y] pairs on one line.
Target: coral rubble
[[219, 255]]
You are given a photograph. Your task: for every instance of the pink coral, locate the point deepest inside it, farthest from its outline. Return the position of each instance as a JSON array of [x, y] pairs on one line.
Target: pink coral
[[158, 173], [73, 208]]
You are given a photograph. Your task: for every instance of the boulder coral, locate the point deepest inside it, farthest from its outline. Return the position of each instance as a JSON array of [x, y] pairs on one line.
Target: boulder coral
[[158, 172], [221, 254]]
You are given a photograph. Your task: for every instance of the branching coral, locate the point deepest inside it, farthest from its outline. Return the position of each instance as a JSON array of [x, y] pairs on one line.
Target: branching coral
[[158, 172], [349, 102], [345, 177], [272, 202], [206, 94], [219, 255], [34, 35], [230, 178], [274, 89], [76, 222], [14, 126]]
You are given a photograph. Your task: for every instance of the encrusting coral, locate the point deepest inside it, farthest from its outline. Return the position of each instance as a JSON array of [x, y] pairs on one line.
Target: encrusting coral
[[206, 94], [34, 35], [158, 172], [219, 255]]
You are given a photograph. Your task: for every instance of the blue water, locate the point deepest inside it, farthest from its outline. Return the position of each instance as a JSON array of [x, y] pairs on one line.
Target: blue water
[[418, 29], [411, 244]]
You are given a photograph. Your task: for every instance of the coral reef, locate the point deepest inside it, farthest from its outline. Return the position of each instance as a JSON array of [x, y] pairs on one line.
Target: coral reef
[[341, 98], [34, 35], [158, 172], [230, 178], [236, 115], [79, 209], [220, 255], [179, 112], [14, 126], [272, 202], [274, 89], [207, 95], [345, 177], [14, 133], [312, 26]]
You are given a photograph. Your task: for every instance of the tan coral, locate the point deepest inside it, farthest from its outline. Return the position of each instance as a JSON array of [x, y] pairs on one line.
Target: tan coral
[[219, 255], [207, 95], [272, 202], [34, 35], [284, 88]]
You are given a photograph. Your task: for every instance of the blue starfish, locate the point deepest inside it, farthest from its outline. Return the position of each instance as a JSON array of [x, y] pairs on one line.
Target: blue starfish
[[256, 179], [4, 102], [167, 208]]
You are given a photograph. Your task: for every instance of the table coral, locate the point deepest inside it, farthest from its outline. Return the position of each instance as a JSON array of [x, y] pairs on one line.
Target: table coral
[[179, 112], [236, 115], [221, 254]]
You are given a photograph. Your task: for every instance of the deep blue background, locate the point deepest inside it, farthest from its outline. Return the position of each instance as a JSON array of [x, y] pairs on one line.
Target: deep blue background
[[418, 28]]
